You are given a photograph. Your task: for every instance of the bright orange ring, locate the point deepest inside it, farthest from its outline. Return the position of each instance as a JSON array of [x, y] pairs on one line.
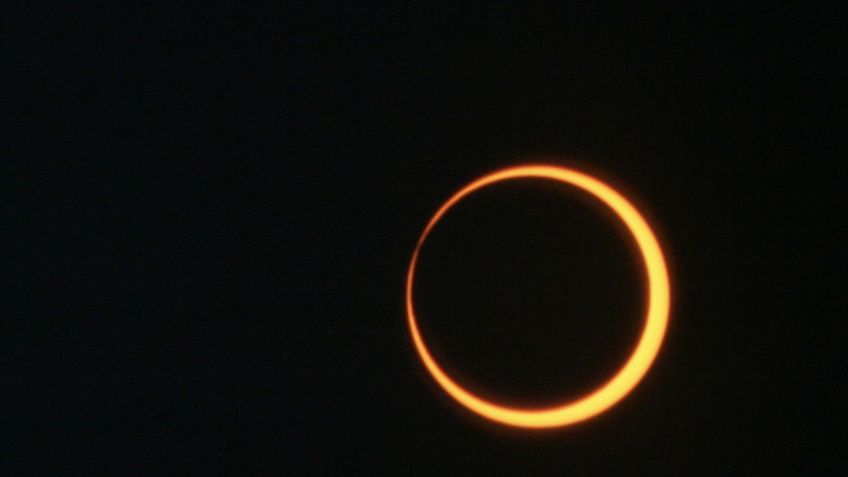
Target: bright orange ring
[[638, 363]]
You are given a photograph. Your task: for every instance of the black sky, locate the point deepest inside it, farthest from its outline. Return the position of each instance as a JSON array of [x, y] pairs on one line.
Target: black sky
[[212, 210]]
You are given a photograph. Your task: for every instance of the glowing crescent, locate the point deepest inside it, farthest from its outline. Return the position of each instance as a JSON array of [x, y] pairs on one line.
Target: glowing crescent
[[638, 363]]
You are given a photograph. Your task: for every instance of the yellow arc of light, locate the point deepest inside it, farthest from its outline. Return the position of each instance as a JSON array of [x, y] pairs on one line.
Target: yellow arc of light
[[636, 366]]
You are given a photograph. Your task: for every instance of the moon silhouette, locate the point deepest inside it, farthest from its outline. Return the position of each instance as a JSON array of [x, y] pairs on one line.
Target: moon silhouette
[[637, 364]]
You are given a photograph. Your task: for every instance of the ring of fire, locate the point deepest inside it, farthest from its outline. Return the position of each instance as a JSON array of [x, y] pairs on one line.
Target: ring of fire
[[636, 366]]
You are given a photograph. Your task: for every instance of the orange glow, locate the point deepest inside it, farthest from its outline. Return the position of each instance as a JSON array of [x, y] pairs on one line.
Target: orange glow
[[638, 363]]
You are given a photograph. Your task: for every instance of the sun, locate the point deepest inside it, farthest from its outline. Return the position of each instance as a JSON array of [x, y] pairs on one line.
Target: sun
[[634, 368]]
